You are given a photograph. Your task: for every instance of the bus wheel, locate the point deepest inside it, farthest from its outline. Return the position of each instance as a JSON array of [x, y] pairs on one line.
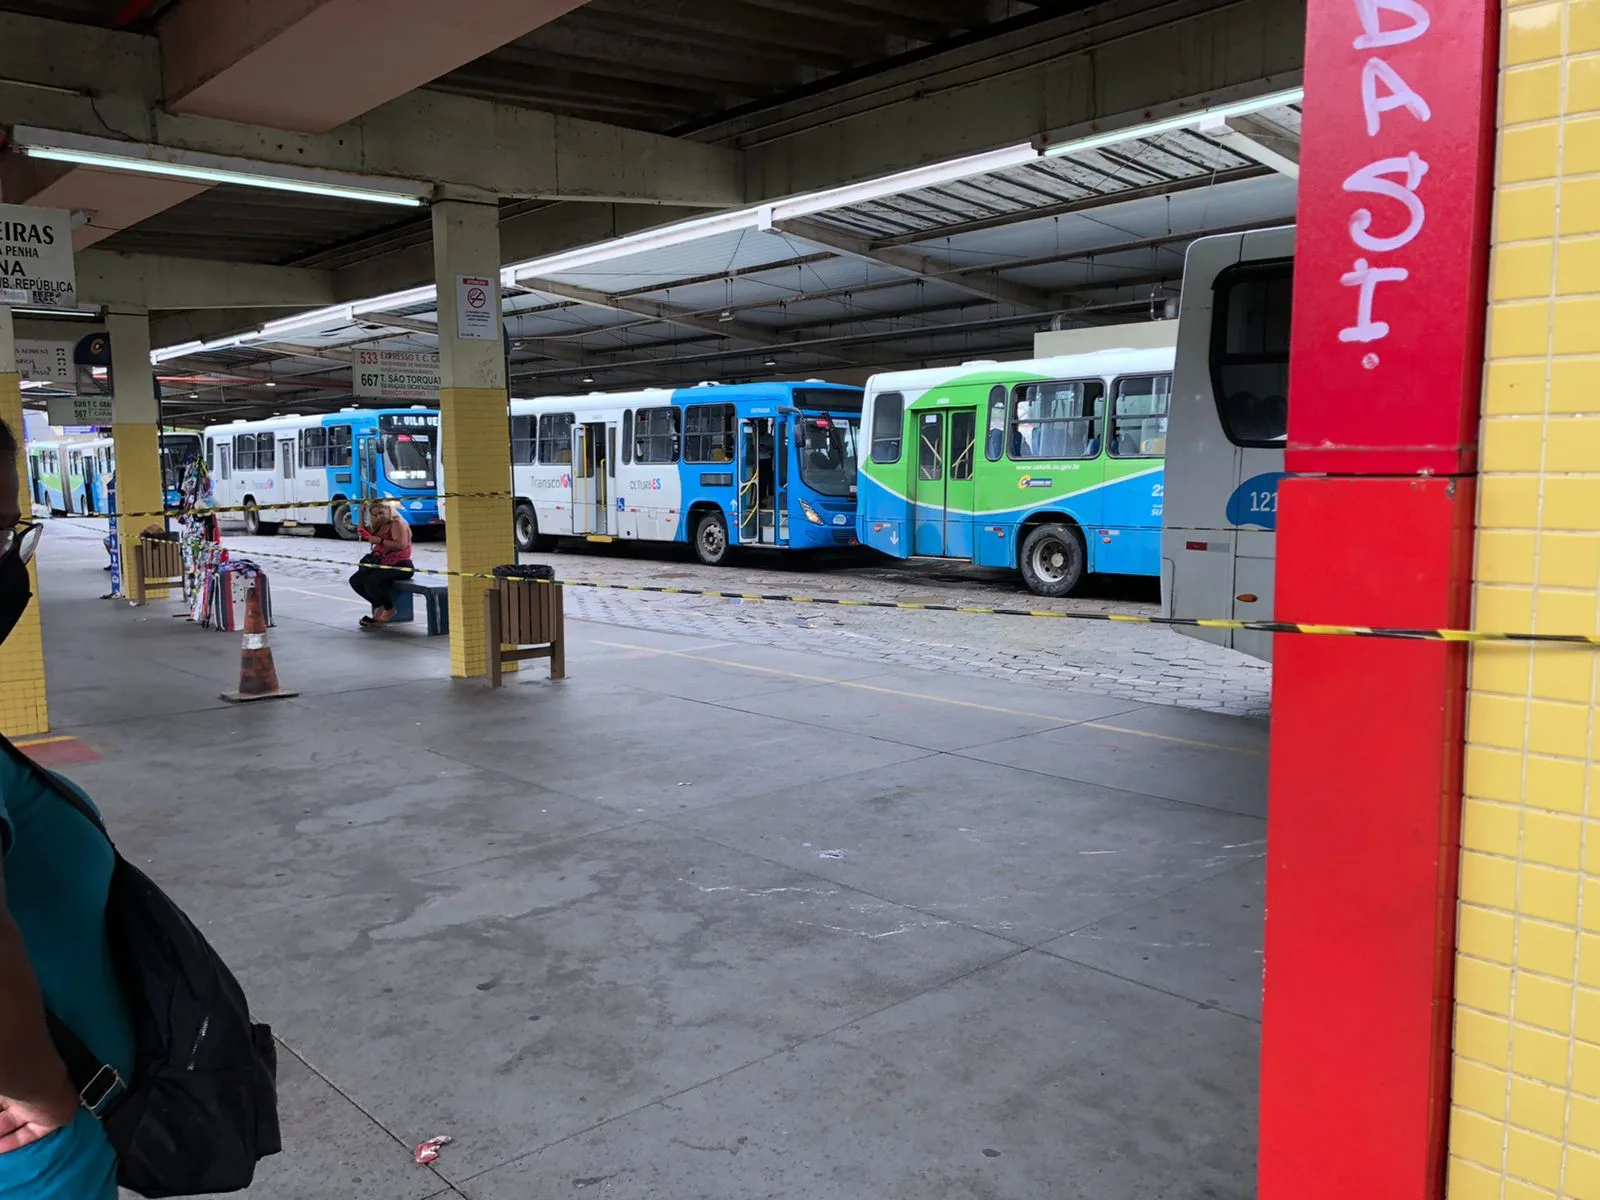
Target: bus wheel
[[344, 521], [253, 524], [526, 523], [1052, 561], [711, 539]]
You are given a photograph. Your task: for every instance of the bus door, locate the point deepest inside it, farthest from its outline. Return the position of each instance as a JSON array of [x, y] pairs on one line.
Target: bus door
[[591, 476], [286, 471], [70, 478], [961, 450], [929, 491], [88, 463], [756, 499], [367, 455], [782, 446]]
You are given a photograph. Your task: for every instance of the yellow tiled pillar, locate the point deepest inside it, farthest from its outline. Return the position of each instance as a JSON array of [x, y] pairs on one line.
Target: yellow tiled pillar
[[22, 692], [475, 443], [135, 434], [1525, 1117]]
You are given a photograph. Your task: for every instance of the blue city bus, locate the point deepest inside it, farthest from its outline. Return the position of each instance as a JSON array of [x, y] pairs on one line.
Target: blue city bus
[[718, 466], [74, 475], [318, 470]]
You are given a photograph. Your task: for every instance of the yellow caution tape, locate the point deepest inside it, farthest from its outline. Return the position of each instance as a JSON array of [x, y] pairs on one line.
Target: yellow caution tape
[[1474, 636]]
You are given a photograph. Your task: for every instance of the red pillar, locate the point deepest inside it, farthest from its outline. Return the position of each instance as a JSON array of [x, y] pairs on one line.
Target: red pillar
[[1375, 528]]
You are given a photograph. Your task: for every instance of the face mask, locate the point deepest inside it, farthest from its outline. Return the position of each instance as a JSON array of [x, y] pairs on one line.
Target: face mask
[[15, 592]]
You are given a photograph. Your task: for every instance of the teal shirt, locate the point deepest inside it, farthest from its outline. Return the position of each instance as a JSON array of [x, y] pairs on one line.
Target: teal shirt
[[57, 875]]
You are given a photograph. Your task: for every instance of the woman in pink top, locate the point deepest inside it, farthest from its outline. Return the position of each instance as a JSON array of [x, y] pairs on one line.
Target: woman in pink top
[[387, 563]]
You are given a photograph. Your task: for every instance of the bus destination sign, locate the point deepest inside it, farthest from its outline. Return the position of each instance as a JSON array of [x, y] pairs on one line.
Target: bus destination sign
[[396, 374]]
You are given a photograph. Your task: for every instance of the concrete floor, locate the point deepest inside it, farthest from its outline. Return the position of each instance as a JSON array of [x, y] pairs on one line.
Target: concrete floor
[[706, 920]]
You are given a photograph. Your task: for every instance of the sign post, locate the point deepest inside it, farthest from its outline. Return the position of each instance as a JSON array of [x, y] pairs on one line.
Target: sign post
[[116, 542], [36, 266]]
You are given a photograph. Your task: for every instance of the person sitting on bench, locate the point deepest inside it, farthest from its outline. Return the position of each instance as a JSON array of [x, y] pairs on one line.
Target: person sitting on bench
[[387, 564]]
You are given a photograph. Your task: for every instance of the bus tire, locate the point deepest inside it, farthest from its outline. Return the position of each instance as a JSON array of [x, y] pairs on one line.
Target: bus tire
[[526, 524], [344, 520], [711, 538], [253, 524], [1053, 560]]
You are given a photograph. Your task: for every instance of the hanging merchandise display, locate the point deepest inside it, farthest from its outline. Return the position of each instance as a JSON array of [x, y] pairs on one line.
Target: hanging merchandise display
[[228, 587], [203, 554]]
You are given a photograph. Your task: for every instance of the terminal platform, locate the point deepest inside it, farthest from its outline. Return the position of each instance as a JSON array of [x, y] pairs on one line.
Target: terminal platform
[[706, 919]]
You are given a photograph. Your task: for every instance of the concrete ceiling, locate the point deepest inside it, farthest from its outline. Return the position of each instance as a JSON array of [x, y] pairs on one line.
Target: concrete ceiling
[[599, 119]]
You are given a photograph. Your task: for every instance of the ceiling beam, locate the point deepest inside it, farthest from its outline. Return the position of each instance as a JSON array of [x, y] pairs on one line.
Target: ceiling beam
[[743, 331], [159, 282], [1258, 140], [988, 284], [78, 81]]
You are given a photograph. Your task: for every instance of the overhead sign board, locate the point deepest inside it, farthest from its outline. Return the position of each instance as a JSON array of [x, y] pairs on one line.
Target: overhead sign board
[[36, 257], [45, 361], [91, 411], [397, 374]]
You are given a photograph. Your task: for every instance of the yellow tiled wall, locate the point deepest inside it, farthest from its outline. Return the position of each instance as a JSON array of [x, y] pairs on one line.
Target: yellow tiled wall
[[22, 693], [477, 459], [1525, 1114]]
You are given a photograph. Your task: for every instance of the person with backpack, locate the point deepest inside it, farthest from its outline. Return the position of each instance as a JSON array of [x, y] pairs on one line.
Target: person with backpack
[[127, 1053], [55, 875]]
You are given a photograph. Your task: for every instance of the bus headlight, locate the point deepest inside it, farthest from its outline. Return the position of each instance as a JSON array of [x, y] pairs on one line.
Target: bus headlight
[[811, 514]]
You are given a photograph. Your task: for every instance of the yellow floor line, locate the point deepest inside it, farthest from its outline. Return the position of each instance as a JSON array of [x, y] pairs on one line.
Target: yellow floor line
[[42, 741], [1103, 726]]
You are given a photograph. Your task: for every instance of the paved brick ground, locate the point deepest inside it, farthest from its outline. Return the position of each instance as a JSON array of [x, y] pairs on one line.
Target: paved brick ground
[[1153, 665]]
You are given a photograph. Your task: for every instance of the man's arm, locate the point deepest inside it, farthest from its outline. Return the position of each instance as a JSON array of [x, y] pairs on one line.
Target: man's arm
[[36, 1097]]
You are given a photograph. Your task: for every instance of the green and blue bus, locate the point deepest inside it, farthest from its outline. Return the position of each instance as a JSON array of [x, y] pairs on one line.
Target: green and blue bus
[[74, 475], [1049, 466]]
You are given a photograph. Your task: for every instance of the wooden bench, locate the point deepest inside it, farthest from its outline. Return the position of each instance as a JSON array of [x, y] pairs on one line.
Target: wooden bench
[[435, 595], [157, 563], [525, 619]]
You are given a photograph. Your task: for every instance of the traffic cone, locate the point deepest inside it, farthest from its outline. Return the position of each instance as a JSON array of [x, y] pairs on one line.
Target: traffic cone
[[258, 678]]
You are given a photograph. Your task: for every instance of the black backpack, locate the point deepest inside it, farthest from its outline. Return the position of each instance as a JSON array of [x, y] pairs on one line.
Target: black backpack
[[202, 1106]]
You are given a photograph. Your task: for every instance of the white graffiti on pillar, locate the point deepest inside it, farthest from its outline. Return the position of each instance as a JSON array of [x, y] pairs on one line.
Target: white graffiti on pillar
[[1392, 178]]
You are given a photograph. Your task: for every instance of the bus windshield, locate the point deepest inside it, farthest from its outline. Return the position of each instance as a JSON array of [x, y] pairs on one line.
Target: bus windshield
[[408, 458], [827, 452], [176, 451]]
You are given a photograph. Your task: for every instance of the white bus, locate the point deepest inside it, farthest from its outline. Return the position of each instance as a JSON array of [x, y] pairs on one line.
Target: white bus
[[307, 470], [1226, 434], [717, 467]]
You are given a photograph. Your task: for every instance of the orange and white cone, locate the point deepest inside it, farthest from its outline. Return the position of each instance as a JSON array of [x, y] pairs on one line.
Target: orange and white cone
[[258, 677]]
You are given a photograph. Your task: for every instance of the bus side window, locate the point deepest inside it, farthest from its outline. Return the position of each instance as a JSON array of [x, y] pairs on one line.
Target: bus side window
[[1057, 420], [1250, 352], [627, 436], [314, 447], [888, 426], [339, 445], [244, 451], [211, 455], [555, 439], [524, 440], [995, 446], [1139, 416], [708, 433]]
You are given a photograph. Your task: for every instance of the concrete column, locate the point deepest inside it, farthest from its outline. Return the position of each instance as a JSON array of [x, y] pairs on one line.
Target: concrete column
[[22, 691], [134, 432], [475, 440]]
